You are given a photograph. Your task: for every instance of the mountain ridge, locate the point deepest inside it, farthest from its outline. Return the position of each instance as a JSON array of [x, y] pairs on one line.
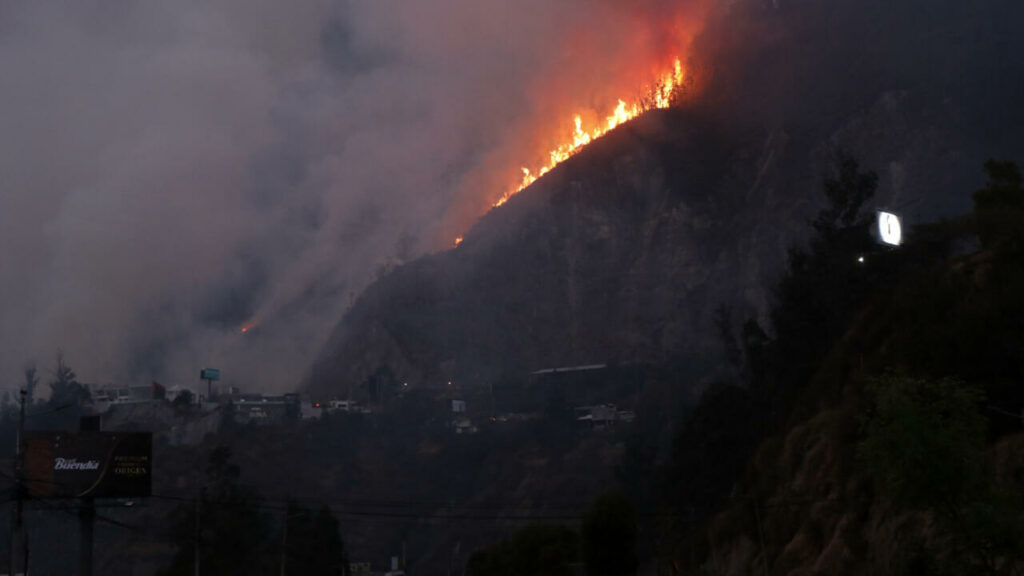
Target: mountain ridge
[[623, 252], [620, 254]]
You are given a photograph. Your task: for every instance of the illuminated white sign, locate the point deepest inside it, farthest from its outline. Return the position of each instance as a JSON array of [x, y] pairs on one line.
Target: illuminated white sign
[[889, 229], [74, 464]]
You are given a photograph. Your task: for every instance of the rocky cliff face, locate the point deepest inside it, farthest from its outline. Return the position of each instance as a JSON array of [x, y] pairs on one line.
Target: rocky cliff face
[[619, 255]]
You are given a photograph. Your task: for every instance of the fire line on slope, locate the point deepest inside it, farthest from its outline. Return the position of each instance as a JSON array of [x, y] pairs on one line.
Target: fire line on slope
[[659, 95]]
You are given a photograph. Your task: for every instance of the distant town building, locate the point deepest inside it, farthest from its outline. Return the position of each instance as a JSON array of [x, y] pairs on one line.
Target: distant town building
[[333, 407], [309, 410], [463, 425], [176, 392], [359, 568], [602, 415], [365, 569], [558, 389], [263, 409], [103, 397], [342, 406]]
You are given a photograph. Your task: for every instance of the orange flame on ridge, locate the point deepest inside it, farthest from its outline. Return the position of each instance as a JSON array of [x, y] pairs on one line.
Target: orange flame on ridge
[[658, 95]]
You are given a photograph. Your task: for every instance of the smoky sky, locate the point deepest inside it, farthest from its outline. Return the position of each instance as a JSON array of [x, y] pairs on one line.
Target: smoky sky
[[172, 172]]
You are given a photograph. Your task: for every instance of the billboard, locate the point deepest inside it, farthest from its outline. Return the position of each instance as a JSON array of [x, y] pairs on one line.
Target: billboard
[[209, 374], [88, 464], [889, 229]]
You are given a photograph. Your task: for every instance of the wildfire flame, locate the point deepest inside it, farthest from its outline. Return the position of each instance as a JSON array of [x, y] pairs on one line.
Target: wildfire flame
[[657, 95], [247, 326]]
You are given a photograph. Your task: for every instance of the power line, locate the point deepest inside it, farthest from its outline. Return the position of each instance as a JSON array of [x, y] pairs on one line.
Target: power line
[[50, 411], [430, 510]]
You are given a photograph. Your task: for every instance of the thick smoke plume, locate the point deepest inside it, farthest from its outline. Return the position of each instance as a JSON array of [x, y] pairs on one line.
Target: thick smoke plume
[[174, 172]]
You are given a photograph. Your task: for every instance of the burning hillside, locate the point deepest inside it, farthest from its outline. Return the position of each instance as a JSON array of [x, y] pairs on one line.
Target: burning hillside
[[590, 88], [588, 125], [658, 95]]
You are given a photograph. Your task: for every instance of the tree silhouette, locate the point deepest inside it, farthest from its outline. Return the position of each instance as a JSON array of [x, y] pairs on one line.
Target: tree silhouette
[[999, 208], [534, 550], [312, 543], [824, 286], [924, 446], [65, 390], [609, 536], [31, 382], [230, 531]]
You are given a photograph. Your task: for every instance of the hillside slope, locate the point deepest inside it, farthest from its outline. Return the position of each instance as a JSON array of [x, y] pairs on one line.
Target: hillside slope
[[622, 253], [619, 255], [904, 452]]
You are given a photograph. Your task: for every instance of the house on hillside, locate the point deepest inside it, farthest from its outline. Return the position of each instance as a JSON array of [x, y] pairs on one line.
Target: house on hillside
[[590, 384], [396, 568], [463, 425], [602, 415]]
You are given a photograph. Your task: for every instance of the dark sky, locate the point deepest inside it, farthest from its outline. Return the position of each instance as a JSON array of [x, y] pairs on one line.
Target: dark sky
[[171, 171]]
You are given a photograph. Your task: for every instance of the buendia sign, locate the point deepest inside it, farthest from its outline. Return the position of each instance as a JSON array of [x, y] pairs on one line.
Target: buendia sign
[[72, 464], [88, 464]]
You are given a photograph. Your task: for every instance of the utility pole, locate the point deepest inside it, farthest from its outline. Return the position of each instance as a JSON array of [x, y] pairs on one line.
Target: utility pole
[[86, 512], [197, 530], [10, 558], [16, 519], [86, 517], [284, 543]]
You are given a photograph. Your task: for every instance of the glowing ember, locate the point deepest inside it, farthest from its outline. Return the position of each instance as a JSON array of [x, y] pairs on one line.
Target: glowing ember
[[458, 241], [247, 326], [658, 95]]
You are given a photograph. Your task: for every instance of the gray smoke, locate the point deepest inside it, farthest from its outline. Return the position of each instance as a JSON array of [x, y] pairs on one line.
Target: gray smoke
[[172, 171]]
